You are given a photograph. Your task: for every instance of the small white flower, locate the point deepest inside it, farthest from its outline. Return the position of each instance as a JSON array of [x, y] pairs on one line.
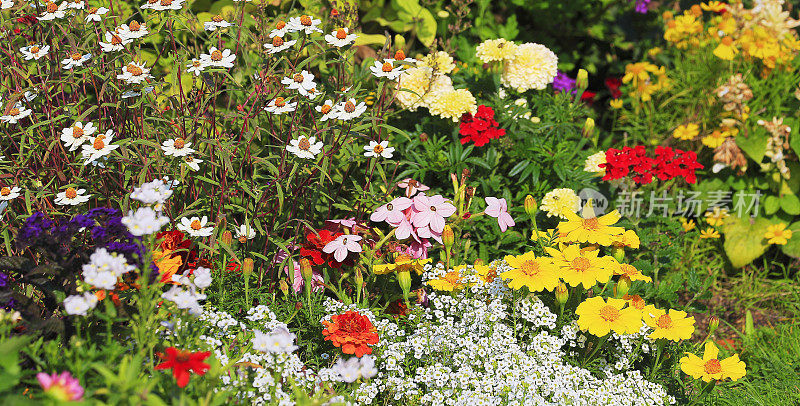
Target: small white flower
[[98, 147], [280, 340], [144, 221], [53, 11], [75, 60], [34, 51], [79, 305], [192, 162], [340, 38], [304, 23], [196, 67], [279, 105], [278, 44], [195, 226], [306, 148], [155, 192], [381, 149], [281, 29], [303, 82], [134, 73], [8, 193], [95, 13], [386, 70], [163, 5], [216, 22], [132, 31], [244, 232], [218, 59], [6, 4], [18, 112], [72, 197], [328, 111], [202, 277], [114, 42], [76, 4], [350, 109], [177, 147]]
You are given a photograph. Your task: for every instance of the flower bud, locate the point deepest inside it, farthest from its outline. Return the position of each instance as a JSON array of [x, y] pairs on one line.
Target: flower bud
[[283, 286], [423, 137], [247, 266], [306, 270], [448, 238], [618, 252], [530, 205], [623, 285], [713, 323], [404, 280], [562, 294], [588, 128], [359, 277], [226, 238], [582, 81]]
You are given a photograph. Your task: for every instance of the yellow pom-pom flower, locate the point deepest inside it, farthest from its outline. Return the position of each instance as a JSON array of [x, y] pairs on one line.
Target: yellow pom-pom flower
[[453, 104], [534, 66], [495, 50]]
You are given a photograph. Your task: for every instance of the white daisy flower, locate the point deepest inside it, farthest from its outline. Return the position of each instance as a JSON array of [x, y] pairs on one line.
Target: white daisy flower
[[177, 147], [75, 60], [72, 197], [192, 162], [163, 5], [7, 193], [304, 23], [196, 67], [303, 82], [281, 29], [98, 147], [18, 112], [132, 31], [386, 70], [53, 11], [114, 42], [216, 22], [95, 14], [6, 4], [76, 4], [134, 73], [340, 37], [378, 149], [73, 137], [306, 148], [400, 56], [244, 232], [328, 111], [278, 44], [195, 226], [34, 51], [279, 105], [218, 59], [349, 109]]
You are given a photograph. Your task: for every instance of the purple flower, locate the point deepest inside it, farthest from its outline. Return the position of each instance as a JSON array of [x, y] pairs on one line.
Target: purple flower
[[3, 279], [641, 6], [564, 83]]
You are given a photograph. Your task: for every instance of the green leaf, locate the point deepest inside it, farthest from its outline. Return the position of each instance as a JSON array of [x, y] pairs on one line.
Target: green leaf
[[771, 205], [744, 239], [790, 204], [755, 145], [792, 248]]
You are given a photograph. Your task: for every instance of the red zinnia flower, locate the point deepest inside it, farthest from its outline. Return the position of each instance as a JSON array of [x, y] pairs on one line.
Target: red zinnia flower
[[351, 331], [613, 85], [182, 362], [480, 128]]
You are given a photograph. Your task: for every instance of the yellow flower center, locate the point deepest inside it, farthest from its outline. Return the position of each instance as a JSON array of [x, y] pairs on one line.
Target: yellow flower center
[[217, 18], [166, 2], [628, 270], [298, 78], [325, 109], [713, 366], [581, 264], [349, 107], [77, 132], [305, 20], [341, 33], [387, 67], [304, 144], [280, 24], [216, 55], [135, 26], [400, 55], [70, 193], [196, 225], [277, 41], [609, 313], [76, 56], [115, 39], [98, 143], [5, 191], [664, 321], [179, 143], [530, 268], [490, 276], [452, 277], [34, 49], [196, 63], [378, 149], [92, 10], [14, 111], [134, 70], [591, 224], [51, 7], [280, 102]]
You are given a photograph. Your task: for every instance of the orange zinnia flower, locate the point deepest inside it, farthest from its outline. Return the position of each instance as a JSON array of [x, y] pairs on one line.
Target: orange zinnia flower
[[351, 331]]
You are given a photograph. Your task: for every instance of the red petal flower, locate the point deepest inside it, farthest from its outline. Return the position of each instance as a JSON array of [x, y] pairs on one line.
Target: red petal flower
[[182, 363], [351, 331]]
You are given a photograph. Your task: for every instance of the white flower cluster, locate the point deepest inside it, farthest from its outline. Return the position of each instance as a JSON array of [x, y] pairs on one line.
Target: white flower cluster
[[155, 192], [185, 294], [79, 305], [104, 268]]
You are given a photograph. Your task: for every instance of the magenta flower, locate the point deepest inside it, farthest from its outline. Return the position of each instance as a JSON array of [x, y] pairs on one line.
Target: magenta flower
[[62, 387], [431, 211], [343, 245], [392, 212], [418, 250], [298, 282], [412, 187], [498, 208]]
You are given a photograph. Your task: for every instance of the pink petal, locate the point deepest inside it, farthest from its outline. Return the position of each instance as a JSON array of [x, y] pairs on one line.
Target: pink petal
[[437, 223]]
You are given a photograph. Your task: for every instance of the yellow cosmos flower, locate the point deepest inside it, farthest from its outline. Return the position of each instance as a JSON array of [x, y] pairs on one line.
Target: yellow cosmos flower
[[687, 225], [672, 325], [537, 273], [778, 234], [589, 228], [582, 267], [686, 132], [487, 273], [709, 233], [627, 239], [615, 103], [450, 281], [631, 273], [711, 367], [716, 216], [599, 317], [402, 262], [725, 50]]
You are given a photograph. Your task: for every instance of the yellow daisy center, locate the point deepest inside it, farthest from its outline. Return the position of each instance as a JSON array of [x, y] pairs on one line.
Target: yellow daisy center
[[76, 56], [277, 41], [98, 143], [341, 33], [166, 2], [378, 148], [452, 277], [400, 55], [305, 20], [196, 225], [217, 18], [387, 67], [196, 63], [349, 107], [51, 7], [115, 39], [713, 366], [14, 111], [530, 268], [325, 109], [304, 144], [280, 24], [581, 264], [134, 70], [77, 132], [591, 224], [135, 26], [216, 55], [664, 321], [298, 78], [92, 10], [5, 191], [179, 143], [628, 270], [70, 193], [280, 102], [34, 49], [609, 313]]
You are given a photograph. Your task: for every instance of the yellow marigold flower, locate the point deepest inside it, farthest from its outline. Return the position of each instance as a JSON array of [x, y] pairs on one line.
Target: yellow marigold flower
[[441, 62], [593, 163], [716, 216], [487, 273], [715, 139], [713, 6], [638, 72], [687, 225], [599, 317], [778, 234], [615, 103], [589, 228], [725, 50], [627, 239], [537, 273], [635, 301], [402, 262], [653, 52], [631, 273], [686, 132], [558, 202], [450, 281], [582, 267], [711, 367], [709, 233], [453, 104], [419, 86], [672, 325], [534, 66], [495, 50]]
